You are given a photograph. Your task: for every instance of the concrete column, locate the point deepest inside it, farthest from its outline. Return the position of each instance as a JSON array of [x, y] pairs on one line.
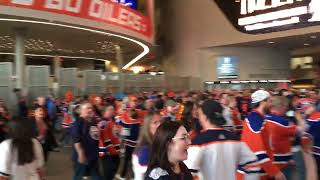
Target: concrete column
[[56, 66], [19, 58], [119, 59]]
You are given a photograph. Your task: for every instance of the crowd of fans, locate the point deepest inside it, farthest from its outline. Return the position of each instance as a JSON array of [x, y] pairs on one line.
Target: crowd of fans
[[217, 135]]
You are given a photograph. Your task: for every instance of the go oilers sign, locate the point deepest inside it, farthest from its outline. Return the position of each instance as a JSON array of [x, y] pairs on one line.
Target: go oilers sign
[[260, 16], [116, 12]]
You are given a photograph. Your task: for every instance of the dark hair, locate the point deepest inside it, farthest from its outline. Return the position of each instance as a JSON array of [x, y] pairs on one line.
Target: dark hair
[[256, 105], [187, 115], [159, 150], [37, 106], [213, 111], [20, 130], [159, 104]]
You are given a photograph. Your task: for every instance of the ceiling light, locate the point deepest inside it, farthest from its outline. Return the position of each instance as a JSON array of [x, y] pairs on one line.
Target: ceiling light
[[209, 82], [306, 44], [270, 42], [313, 37], [137, 69], [114, 69]]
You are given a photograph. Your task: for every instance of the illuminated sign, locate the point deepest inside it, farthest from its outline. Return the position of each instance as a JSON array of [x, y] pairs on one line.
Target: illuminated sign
[[227, 67], [259, 16], [119, 13]]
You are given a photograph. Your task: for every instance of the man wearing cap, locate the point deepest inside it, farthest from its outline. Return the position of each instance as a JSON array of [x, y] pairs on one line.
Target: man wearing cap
[[215, 153], [256, 135]]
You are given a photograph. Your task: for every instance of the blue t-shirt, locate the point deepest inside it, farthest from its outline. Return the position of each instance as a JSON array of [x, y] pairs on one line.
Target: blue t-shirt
[[143, 155], [87, 134]]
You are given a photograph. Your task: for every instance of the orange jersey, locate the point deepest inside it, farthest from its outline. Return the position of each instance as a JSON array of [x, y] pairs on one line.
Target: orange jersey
[[142, 114], [109, 142], [256, 136], [281, 135], [67, 120]]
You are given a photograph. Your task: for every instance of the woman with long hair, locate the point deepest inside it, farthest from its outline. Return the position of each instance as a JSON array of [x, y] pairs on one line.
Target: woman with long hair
[[40, 129], [21, 155], [187, 116], [140, 156], [169, 150]]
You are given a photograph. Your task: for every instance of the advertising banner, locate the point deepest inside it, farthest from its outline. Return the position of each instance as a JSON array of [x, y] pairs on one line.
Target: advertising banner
[[121, 13]]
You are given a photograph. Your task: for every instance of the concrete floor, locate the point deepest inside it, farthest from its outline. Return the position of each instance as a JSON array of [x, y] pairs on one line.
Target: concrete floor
[[59, 165]]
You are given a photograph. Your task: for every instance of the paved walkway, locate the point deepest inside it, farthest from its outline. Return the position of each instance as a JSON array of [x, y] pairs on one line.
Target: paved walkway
[[59, 166]]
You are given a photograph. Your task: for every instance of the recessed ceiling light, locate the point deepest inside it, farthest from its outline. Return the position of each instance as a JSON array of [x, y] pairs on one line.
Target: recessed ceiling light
[[306, 44], [313, 37], [270, 42]]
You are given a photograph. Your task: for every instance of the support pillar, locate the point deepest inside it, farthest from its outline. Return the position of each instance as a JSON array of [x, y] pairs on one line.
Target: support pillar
[[56, 63], [20, 58], [119, 58], [56, 66]]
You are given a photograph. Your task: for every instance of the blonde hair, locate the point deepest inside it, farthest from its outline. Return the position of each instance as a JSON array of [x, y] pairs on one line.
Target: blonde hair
[[279, 101], [145, 136]]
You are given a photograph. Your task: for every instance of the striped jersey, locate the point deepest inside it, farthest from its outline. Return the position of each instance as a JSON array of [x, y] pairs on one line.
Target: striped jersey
[[67, 119], [129, 129], [109, 143], [314, 130], [282, 134], [256, 136], [216, 153]]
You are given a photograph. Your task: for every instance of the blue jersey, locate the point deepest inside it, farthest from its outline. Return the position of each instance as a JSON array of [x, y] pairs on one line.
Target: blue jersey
[[314, 130], [87, 134], [130, 130]]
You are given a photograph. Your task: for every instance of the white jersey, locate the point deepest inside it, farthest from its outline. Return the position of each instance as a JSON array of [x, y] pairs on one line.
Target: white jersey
[[216, 154], [9, 166]]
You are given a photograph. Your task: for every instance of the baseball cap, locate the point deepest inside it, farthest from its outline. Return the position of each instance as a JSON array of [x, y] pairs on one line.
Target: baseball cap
[[259, 96]]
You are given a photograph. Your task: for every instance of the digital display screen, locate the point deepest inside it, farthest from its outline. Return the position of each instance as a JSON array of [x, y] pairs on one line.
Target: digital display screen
[[227, 67]]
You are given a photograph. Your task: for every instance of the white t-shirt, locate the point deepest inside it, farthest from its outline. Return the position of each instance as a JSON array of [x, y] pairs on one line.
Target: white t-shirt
[[9, 162]]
